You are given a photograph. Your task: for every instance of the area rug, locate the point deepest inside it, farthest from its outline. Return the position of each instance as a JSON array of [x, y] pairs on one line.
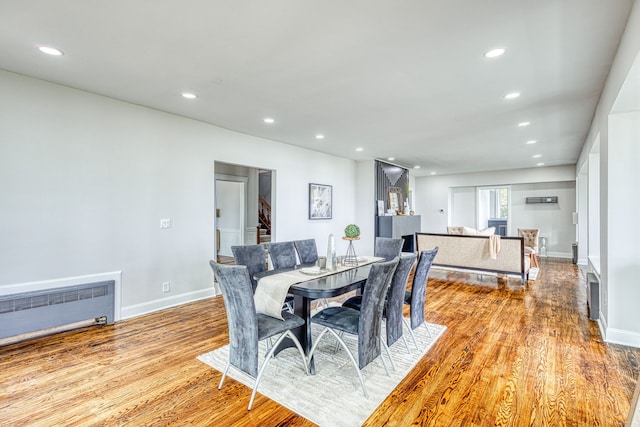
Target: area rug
[[333, 396]]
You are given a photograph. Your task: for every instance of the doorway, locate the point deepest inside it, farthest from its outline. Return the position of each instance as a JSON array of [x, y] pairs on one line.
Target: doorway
[[230, 199], [237, 206]]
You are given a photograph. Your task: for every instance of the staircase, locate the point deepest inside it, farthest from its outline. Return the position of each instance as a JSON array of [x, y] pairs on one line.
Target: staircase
[[264, 218], [263, 237]]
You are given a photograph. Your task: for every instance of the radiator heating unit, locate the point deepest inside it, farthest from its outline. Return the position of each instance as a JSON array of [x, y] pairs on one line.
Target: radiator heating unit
[[40, 312]]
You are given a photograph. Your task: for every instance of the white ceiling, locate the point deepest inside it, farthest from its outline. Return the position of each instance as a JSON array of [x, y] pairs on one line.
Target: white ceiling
[[398, 78]]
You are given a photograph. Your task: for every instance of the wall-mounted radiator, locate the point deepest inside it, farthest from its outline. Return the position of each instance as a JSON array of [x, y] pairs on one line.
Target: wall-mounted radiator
[[41, 310]]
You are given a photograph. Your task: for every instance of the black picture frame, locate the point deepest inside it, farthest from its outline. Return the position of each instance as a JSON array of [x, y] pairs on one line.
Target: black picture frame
[[320, 201]]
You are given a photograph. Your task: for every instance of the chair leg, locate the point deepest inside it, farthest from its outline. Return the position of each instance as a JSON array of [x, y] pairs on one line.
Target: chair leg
[[224, 375], [355, 364], [300, 350], [404, 340], [269, 355], [386, 347], [427, 328], [289, 307], [337, 347], [413, 337]]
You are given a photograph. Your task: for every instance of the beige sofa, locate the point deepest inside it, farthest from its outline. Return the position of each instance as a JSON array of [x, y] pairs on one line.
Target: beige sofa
[[473, 253]]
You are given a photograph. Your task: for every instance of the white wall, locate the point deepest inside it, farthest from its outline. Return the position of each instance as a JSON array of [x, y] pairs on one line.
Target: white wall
[[462, 208], [623, 232], [554, 220], [85, 180], [582, 203], [366, 207], [618, 190], [432, 195]]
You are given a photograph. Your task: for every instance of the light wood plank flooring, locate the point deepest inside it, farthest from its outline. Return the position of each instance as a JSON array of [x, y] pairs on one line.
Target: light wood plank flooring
[[510, 356]]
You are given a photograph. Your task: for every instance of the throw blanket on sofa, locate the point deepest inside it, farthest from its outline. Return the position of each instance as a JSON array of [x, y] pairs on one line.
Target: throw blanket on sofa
[[494, 246]]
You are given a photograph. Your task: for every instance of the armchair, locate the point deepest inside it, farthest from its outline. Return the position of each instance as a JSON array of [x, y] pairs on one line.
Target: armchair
[[530, 236]]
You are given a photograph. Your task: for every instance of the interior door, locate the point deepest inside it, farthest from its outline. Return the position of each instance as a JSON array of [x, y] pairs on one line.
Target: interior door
[[230, 200]]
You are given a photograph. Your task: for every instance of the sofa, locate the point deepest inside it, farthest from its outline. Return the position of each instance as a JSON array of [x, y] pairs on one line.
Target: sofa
[[473, 253]]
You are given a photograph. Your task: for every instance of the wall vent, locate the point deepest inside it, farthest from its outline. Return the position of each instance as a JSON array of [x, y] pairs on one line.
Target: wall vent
[[547, 199]]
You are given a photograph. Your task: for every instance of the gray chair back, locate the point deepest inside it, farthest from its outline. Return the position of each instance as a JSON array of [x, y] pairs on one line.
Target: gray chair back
[[253, 257], [237, 292], [370, 319], [387, 247], [395, 297], [307, 250], [419, 287], [283, 254]]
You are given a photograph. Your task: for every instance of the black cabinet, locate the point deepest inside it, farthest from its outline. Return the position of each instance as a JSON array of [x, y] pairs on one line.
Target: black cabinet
[[400, 226]]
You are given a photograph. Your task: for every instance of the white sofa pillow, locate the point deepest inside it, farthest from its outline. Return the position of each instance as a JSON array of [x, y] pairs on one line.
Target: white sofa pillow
[[487, 231], [468, 231]]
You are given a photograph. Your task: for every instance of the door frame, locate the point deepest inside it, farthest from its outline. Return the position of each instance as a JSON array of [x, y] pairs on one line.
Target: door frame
[[243, 210]]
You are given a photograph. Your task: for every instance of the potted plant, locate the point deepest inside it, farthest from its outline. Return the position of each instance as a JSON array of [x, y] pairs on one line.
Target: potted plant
[[352, 231]]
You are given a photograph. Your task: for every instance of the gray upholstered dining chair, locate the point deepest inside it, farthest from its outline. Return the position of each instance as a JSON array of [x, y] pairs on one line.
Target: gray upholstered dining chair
[[247, 328], [282, 254], [365, 323], [387, 247], [307, 250], [253, 257], [308, 254], [415, 298], [395, 300]]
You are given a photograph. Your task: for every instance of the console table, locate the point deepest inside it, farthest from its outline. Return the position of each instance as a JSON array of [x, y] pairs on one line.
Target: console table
[[400, 226]]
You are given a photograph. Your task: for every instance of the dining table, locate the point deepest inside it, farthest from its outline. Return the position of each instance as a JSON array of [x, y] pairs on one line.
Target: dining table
[[325, 286]]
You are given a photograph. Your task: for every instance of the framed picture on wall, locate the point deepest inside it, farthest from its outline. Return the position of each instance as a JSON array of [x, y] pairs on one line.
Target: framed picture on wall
[[320, 201]]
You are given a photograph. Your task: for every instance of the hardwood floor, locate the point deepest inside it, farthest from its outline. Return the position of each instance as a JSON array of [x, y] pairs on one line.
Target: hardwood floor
[[510, 356]]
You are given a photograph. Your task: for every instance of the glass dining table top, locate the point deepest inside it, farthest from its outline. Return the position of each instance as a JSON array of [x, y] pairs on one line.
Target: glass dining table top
[[333, 284]]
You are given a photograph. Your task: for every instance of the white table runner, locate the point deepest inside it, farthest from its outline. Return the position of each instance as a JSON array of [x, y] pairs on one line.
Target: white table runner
[[272, 290]]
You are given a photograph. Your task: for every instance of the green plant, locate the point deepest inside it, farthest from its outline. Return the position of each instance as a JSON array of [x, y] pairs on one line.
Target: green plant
[[352, 231]]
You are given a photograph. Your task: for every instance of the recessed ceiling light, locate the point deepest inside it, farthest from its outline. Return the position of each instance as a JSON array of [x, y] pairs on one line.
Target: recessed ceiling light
[[391, 158], [416, 167], [50, 50], [537, 156], [433, 172], [512, 95], [189, 95], [319, 136], [359, 149], [523, 124], [494, 53], [531, 141], [269, 120], [539, 164]]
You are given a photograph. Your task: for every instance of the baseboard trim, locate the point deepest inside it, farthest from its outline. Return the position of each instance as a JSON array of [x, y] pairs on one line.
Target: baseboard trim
[[559, 255], [622, 337], [160, 304]]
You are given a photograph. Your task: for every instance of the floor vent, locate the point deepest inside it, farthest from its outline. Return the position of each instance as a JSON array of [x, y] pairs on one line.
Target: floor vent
[[34, 311]]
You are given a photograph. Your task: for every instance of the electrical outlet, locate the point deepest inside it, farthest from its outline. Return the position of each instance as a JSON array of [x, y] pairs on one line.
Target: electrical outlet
[[166, 286], [165, 223]]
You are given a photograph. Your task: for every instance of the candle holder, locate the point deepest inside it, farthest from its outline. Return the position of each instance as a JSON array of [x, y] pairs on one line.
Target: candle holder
[[350, 258]]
